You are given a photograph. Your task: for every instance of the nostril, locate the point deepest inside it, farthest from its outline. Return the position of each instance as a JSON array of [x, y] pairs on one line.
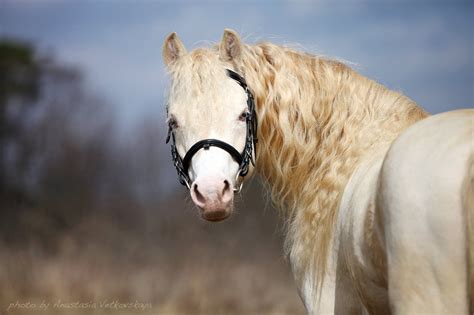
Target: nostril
[[226, 187], [199, 197], [227, 192]]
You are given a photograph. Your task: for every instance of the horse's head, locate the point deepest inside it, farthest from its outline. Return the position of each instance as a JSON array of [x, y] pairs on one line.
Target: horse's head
[[212, 123]]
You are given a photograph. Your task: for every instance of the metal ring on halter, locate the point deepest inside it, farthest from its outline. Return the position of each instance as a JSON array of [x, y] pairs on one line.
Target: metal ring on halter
[[238, 189], [186, 182]]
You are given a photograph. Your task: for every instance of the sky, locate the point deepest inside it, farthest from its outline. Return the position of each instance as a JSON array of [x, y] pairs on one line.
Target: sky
[[421, 48]]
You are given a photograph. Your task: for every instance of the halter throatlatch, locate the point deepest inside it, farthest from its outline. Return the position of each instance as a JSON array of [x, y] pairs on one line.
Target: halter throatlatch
[[243, 159]]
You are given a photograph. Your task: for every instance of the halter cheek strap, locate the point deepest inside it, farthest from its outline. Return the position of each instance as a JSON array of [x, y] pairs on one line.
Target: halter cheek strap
[[243, 159]]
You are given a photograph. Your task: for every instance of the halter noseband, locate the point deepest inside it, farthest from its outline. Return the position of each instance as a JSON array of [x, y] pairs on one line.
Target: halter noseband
[[243, 159]]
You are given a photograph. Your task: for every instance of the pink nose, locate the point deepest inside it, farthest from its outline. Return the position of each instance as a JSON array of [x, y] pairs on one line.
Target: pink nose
[[214, 197]]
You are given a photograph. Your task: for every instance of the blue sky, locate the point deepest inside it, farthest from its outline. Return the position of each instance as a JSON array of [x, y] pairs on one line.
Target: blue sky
[[422, 48]]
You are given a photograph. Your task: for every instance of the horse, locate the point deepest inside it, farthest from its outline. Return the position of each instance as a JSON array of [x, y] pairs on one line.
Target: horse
[[375, 193]]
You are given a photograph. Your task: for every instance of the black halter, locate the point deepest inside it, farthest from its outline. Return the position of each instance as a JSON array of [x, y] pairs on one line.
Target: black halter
[[243, 159]]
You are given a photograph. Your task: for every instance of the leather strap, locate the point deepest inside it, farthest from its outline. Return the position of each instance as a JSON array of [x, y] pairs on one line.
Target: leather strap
[[205, 144]]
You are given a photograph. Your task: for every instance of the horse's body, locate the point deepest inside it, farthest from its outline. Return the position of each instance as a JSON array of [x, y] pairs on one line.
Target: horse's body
[[401, 236], [376, 196]]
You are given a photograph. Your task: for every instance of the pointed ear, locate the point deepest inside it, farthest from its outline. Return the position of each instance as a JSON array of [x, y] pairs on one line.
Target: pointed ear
[[231, 46], [173, 49]]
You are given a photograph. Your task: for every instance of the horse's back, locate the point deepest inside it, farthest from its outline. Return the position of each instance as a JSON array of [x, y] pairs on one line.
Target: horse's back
[[425, 197]]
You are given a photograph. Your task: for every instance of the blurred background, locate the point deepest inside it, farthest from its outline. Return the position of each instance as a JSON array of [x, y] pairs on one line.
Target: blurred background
[[91, 210]]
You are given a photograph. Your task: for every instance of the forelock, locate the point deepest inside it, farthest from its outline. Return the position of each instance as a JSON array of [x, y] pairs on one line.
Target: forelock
[[199, 69]]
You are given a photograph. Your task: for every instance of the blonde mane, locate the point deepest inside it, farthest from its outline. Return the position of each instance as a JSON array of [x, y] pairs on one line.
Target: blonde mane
[[317, 120]]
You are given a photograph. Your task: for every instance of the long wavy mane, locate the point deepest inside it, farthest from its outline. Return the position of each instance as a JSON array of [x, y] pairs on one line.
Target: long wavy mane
[[318, 119]]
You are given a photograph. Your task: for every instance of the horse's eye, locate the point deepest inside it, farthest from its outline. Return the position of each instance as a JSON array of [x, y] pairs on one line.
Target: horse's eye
[[243, 116], [172, 123]]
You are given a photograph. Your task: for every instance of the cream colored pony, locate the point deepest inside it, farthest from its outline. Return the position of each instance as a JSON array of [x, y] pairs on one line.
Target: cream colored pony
[[377, 195]]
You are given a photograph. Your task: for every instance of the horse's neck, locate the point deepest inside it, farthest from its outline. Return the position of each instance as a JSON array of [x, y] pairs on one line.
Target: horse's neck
[[318, 119]]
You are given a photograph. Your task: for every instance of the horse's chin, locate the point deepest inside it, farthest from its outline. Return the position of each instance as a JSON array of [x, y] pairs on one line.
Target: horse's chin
[[216, 216], [219, 219]]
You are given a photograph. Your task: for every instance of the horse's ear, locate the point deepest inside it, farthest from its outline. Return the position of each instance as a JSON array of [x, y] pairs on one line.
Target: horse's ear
[[173, 49], [231, 46]]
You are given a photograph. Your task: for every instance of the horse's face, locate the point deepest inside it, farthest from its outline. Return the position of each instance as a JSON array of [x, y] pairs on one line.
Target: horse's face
[[204, 103]]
